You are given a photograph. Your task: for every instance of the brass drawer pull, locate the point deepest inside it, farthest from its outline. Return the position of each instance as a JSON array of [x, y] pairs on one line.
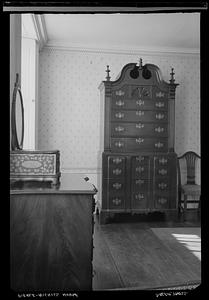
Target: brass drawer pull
[[159, 104], [162, 200], [159, 129], [159, 116], [139, 196], [119, 144], [139, 182], [162, 172], [119, 115], [140, 125], [119, 128], [120, 103], [163, 161], [139, 169], [159, 145], [117, 185], [140, 158], [117, 171], [116, 201], [140, 113], [162, 185], [139, 102], [139, 140], [160, 95], [119, 93], [117, 160]]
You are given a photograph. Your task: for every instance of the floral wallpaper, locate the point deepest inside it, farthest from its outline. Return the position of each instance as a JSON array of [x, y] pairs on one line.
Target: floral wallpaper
[[69, 101]]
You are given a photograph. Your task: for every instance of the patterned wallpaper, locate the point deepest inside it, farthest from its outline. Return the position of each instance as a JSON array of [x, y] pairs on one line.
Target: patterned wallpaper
[[69, 106]]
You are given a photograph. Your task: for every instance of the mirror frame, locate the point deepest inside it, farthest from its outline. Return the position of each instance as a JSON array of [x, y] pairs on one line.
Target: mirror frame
[[15, 143]]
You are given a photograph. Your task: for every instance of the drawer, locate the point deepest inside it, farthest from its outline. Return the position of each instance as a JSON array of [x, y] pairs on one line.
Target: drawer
[[139, 115], [116, 201], [139, 128], [138, 104], [116, 185], [140, 184], [139, 144], [139, 200]]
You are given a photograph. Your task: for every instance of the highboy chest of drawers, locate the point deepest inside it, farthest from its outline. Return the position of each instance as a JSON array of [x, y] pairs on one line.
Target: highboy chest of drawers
[[139, 165]]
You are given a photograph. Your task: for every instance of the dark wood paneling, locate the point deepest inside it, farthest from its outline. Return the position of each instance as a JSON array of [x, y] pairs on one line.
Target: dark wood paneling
[[51, 242]]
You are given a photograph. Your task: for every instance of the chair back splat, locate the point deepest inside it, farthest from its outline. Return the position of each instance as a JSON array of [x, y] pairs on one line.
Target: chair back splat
[[191, 158]]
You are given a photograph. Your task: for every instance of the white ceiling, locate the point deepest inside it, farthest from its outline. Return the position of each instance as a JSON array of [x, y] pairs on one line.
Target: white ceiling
[[126, 31]]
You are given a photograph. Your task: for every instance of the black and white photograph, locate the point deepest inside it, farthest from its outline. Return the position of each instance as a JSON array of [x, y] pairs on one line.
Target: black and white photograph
[[105, 151]]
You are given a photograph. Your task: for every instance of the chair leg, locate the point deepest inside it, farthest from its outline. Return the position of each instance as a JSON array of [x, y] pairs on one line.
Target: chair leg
[[185, 207], [179, 205], [199, 208]]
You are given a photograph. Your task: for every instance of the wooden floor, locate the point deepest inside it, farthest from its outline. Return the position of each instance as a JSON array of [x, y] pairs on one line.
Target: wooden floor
[[145, 255]]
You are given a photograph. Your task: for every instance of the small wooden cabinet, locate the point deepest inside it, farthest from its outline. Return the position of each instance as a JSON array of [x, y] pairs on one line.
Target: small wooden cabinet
[[51, 235], [139, 165]]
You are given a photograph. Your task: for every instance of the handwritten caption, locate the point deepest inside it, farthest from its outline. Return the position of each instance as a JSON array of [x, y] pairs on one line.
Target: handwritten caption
[[40, 295]]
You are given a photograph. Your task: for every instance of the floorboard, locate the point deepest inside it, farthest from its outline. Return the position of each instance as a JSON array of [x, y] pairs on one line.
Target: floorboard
[[143, 255]]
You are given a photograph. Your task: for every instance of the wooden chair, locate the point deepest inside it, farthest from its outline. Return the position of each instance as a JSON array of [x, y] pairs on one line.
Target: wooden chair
[[191, 188]]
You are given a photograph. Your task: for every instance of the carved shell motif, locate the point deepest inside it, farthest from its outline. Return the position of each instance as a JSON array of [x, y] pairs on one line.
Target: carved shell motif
[[141, 91]]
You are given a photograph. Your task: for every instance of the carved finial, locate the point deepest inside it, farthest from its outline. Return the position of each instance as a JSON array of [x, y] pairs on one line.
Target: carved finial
[[108, 71], [172, 80], [140, 63]]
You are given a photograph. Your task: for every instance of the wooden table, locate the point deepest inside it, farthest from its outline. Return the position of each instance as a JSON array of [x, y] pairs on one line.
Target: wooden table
[[51, 235]]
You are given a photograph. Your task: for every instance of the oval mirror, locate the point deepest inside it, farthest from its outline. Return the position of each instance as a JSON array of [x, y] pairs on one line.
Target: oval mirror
[[17, 117]]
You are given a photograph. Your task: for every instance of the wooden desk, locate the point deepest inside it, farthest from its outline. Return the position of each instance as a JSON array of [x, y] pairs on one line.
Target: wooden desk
[[51, 235]]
